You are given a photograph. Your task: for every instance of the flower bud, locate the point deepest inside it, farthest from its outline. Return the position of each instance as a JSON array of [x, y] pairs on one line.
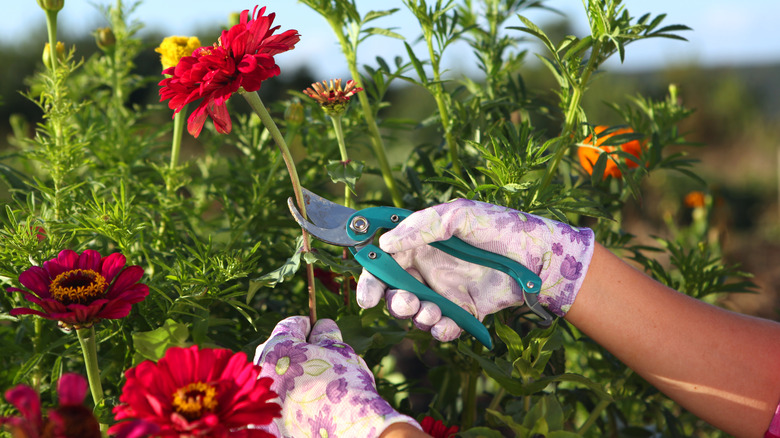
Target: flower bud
[[51, 5], [105, 38], [47, 53]]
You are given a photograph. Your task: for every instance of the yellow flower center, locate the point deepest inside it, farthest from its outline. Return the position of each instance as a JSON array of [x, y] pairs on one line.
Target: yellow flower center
[[193, 400], [173, 48], [78, 286]]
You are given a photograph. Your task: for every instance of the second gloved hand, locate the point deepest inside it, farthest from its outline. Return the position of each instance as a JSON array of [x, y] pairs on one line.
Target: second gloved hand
[[324, 387], [557, 252]]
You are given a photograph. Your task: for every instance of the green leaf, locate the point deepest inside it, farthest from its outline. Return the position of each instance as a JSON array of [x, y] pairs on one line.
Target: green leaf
[[271, 279], [347, 173], [516, 427], [480, 432], [512, 340], [152, 344]]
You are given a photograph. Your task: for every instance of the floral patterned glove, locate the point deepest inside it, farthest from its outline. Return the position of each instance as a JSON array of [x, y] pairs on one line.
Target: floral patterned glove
[[325, 388], [558, 253]]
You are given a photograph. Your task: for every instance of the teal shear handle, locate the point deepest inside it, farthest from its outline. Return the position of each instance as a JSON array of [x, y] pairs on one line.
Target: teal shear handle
[[368, 221], [382, 266]]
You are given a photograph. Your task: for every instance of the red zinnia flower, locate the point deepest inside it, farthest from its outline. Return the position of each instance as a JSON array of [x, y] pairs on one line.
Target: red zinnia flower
[[243, 58], [192, 392], [80, 290], [70, 419], [437, 429]]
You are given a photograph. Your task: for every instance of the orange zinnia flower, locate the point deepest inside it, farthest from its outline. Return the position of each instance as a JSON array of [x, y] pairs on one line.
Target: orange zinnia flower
[[242, 59], [589, 153]]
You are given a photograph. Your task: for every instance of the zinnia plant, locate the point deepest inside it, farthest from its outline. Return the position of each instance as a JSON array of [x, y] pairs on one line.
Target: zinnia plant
[[70, 419], [197, 392], [78, 290]]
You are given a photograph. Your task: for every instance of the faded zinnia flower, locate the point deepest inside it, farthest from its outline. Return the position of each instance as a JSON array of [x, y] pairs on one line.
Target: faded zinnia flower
[[173, 48], [80, 290], [198, 392], [331, 96], [70, 419], [243, 58]]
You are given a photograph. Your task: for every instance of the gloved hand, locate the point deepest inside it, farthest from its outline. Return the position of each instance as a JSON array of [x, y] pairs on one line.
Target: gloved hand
[[558, 253], [324, 387]]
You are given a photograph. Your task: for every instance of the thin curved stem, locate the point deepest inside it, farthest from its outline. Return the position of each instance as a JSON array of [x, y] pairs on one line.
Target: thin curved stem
[[257, 105]]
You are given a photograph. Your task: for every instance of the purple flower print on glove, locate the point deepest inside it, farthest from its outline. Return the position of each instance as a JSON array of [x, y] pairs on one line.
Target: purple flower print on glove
[[316, 376], [559, 253]]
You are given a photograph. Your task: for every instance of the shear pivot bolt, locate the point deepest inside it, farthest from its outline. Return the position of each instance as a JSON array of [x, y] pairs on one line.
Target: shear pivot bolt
[[394, 218], [359, 224], [372, 255], [530, 285]]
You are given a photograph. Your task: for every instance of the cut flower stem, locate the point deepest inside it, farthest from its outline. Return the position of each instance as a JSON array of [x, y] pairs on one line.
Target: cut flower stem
[[88, 341], [254, 101]]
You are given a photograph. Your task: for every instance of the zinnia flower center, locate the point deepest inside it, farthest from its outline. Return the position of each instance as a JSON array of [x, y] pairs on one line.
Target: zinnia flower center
[[79, 286], [193, 400]]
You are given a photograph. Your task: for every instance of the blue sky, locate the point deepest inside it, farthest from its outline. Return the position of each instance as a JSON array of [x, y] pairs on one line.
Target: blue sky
[[725, 32]]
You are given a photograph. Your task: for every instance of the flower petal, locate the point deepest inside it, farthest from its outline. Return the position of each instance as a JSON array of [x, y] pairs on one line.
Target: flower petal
[[72, 388]]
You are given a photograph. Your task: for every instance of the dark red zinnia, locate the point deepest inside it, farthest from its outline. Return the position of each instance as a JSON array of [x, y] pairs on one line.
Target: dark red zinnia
[[243, 58], [70, 419], [197, 392], [78, 290], [437, 429]]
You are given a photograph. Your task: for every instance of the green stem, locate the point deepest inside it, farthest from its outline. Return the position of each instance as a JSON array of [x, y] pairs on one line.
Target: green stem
[[178, 130], [444, 113], [87, 339], [343, 152], [578, 89], [376, 137], [469, 415], [57, 177], [594, 415], [51, 28], [253, 99]]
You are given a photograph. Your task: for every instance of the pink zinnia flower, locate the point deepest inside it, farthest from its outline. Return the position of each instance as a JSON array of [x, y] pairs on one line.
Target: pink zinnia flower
[[70, 419], [243, 58], [80, 290], [198, 392]]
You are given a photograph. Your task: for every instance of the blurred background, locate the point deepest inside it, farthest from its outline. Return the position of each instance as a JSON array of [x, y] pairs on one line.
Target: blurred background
[[728, 71]]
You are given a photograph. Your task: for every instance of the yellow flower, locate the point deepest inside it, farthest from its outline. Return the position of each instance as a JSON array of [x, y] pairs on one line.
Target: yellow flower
[[173, 48], [46, 56]]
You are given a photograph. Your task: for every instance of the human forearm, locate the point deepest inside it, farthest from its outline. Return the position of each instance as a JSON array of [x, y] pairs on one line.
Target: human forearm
[[403, 430], [720, 365]]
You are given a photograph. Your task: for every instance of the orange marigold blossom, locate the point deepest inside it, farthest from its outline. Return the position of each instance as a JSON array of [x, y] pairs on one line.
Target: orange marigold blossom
[[79, 290], [695, 199], [589, 153], [70, 419], [241, 60], [197, 392], [331, 96]]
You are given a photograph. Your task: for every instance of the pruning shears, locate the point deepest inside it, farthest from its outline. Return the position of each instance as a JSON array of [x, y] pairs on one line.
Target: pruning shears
[[355, 229]]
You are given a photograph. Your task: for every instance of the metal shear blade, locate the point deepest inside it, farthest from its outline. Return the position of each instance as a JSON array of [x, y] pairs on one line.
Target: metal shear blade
[[331, 215]]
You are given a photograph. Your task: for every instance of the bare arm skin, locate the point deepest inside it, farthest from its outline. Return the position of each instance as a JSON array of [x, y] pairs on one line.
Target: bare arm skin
[[722, 366], [403, 430]]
